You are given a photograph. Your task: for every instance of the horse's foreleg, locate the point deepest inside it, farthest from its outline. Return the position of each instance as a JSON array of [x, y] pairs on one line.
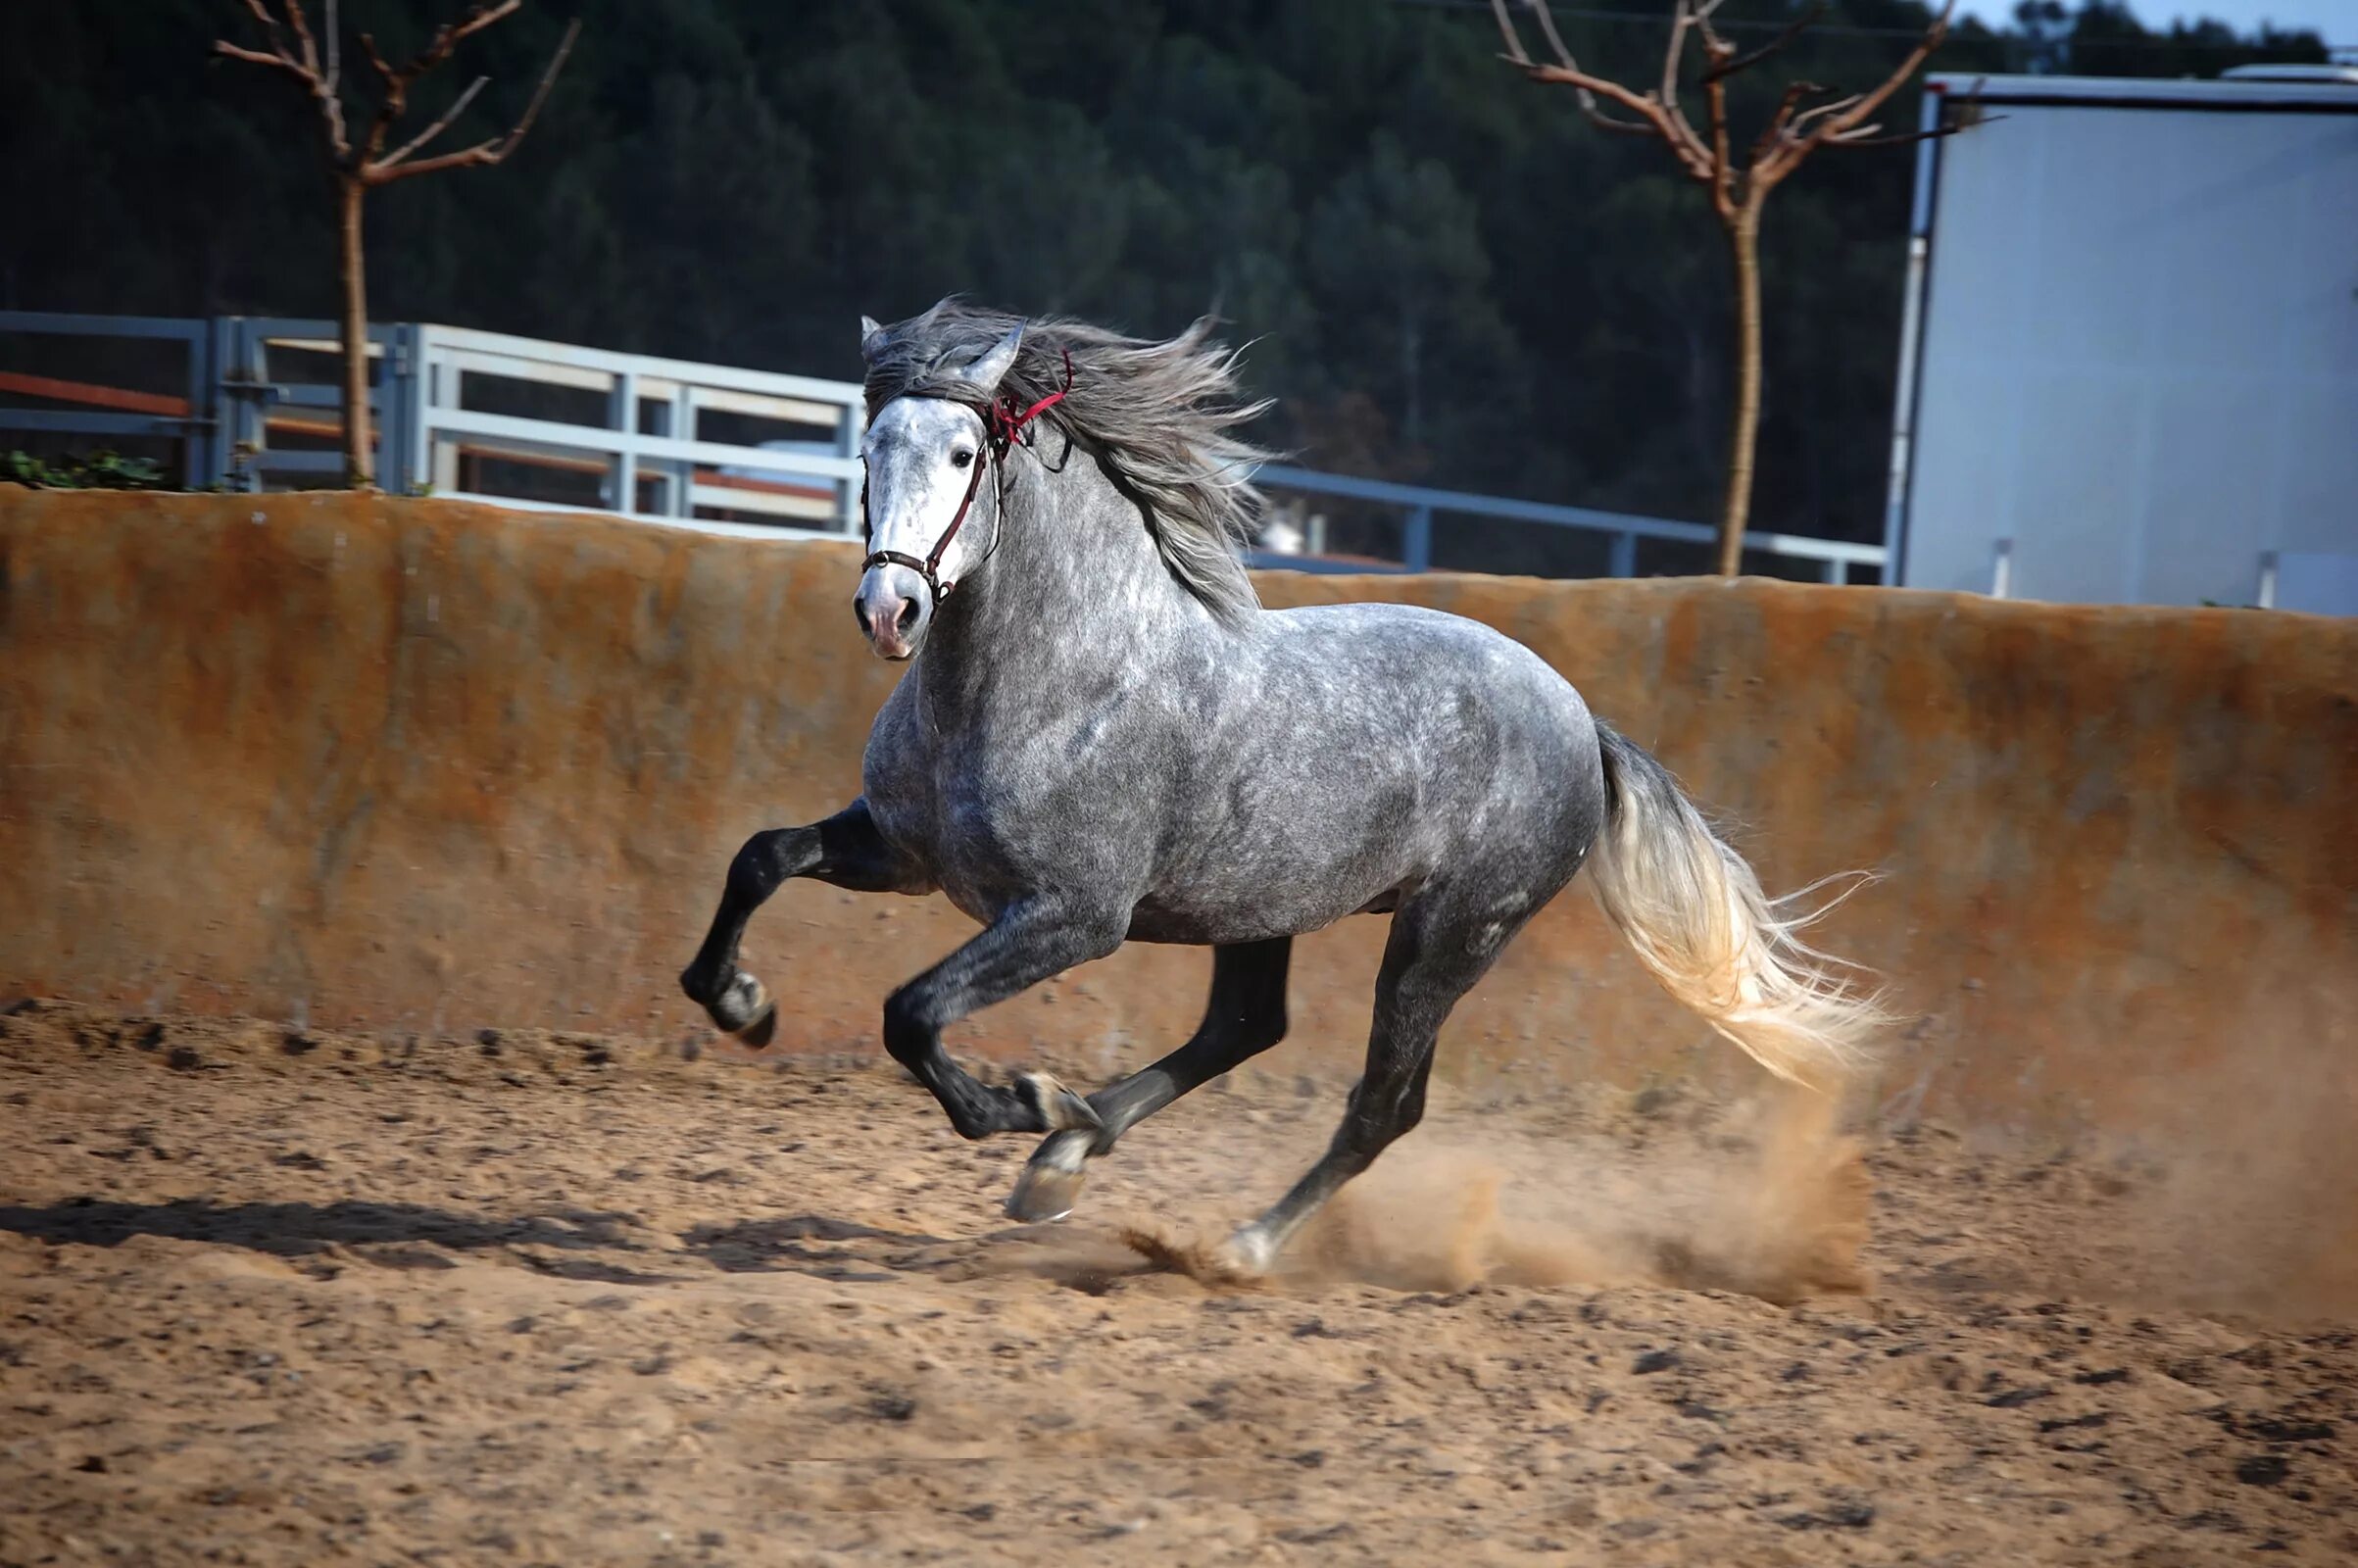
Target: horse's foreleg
[[1246, 1016], [846, 850], [1027, 944]]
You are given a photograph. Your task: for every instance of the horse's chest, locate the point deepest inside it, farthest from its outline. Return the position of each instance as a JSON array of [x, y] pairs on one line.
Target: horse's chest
[[964, 824], [1003, 810]]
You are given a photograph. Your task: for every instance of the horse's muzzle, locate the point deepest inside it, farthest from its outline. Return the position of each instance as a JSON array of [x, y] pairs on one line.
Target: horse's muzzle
[[894, 608]]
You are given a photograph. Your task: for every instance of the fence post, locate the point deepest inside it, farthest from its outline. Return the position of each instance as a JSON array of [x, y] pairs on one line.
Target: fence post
[[2001, 570], [438, 458], [682, 422], [208, 454], [622, 476], [1416, 540], [1624, 560], [243, 394], [423, 374], [849, 431], [397, 433]]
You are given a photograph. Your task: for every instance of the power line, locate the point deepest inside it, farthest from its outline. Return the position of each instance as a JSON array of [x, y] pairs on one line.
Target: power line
[[1659, 19]]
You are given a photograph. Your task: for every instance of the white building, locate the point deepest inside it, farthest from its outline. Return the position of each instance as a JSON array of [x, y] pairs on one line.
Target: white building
[[2128, 371]]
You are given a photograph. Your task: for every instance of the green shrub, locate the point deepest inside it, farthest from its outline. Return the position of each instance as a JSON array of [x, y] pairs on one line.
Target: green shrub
[[99, 470]]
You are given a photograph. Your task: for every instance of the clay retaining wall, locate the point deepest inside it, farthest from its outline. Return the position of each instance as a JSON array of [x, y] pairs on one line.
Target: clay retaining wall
[[414, 764]]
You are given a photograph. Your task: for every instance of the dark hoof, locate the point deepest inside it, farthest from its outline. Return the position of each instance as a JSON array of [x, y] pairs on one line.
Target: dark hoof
[[1045, 1193], [1059, 1108]]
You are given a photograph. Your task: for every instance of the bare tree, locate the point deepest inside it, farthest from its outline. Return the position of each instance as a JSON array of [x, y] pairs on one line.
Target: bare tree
[[1738, 188], [359, 165]]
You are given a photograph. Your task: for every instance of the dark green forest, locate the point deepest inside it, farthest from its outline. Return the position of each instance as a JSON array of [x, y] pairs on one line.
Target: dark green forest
[[1450, 277]]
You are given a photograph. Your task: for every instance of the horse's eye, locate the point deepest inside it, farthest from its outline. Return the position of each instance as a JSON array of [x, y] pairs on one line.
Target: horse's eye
[[960, 457]]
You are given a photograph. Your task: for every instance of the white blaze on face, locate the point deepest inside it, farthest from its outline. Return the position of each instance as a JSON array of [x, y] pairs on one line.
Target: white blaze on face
[[923, 454]]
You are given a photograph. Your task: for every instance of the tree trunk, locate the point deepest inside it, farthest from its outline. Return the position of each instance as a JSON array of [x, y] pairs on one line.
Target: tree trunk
[[360, 456], [1743, 431]]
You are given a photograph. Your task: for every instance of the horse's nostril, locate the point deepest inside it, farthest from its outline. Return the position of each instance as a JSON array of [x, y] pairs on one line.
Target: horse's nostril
[[908, 614]]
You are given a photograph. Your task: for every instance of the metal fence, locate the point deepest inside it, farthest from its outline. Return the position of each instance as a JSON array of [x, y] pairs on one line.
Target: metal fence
[[1829, 560], [519, 421]]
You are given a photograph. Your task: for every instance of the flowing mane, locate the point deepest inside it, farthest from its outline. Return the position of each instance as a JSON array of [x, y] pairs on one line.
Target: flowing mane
[[1163, 415]]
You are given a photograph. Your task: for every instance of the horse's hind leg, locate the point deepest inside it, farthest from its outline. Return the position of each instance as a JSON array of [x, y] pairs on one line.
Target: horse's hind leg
[[1246, 1016], [846, 850], [1439, 947]]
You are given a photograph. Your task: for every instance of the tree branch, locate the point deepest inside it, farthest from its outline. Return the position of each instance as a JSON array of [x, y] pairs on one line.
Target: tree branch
[[400, 79], [1801, 127], [306, 69], [1862, 138], [269, 29], [1683, 143], [1507, 34], [1794, 92], [1799, 25], [484, 153], [458, 107], [229, 50], [335, 52], [296, 20], [1654, 118], [451, 34], [376, 61], [1689, 15], [1715, 103], [1846, 122]]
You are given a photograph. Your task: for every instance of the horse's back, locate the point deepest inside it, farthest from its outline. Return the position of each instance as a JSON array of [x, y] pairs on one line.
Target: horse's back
[[1434, 677], [1364, 750]]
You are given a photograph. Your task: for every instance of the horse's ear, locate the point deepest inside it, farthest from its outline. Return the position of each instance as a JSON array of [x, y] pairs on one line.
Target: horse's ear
[[872, 338], [991, 365]]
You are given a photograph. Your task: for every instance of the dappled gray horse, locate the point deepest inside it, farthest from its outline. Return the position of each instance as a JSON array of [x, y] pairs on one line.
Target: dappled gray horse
[[1103, 737]]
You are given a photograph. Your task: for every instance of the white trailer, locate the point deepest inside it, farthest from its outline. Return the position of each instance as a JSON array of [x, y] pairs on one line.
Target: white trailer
[[2129, 362]]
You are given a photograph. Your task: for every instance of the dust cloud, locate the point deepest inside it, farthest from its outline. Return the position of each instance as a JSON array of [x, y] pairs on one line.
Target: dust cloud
[[1774, 1204]]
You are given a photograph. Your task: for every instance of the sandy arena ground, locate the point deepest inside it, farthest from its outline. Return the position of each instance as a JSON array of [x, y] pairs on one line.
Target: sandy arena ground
[[274, 1297]]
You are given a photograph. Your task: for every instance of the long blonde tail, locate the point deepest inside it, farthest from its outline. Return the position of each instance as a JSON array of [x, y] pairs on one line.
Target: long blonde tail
[[1694, 911]]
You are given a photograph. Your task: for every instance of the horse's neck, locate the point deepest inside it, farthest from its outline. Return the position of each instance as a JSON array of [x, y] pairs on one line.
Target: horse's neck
[[1074, 594]]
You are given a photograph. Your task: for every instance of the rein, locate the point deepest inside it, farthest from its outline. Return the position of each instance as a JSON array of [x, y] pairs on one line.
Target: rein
[[1003, 426]]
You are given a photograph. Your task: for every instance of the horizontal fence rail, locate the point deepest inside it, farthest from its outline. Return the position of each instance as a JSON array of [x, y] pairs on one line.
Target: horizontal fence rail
[[1832, 558], [793, 470], [524, 422]]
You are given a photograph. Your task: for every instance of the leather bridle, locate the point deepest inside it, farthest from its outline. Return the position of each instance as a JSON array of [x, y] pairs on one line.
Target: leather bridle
[[1003, 423]]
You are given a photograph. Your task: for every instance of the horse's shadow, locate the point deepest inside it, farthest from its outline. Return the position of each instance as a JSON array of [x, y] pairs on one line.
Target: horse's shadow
[[805, 1242], [844, 1249], [307, 1230], [416, 1235]]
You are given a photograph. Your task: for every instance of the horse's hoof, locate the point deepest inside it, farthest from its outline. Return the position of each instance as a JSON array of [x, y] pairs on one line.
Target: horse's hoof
[[1059, 1108], [744, 1008], [763, 1029], [1245, 1257], [1044, 1193]]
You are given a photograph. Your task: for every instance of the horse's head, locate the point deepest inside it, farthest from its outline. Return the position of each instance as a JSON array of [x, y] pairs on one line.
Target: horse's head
[[932, 507]]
